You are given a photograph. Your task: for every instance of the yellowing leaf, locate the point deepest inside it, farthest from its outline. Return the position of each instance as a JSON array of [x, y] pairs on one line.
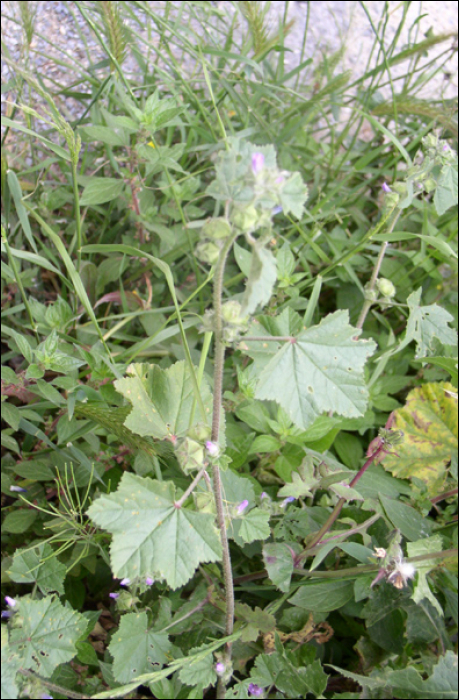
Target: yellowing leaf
[[429, 423]]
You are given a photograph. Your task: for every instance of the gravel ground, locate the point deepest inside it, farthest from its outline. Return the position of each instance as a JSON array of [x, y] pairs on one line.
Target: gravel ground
[[59, 28]]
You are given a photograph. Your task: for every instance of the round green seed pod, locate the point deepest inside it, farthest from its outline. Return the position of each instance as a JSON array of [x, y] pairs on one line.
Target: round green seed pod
[[217, 228], [386, 287], [200, 433], [245, 219], [190, 455], [207, 252], [231, 312]]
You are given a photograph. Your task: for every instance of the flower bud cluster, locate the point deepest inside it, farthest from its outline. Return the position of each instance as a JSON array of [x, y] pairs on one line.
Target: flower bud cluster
[[191, 451], [213, 236], [234, 322]]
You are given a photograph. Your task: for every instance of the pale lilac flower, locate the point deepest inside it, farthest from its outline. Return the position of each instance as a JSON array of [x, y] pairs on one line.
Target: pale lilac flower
[[45, 696], [7, 613], [385, 187], [446, 147], [258, 162], [113, 595], [279, 180], [263, 495], [287, 500], [220, 668], [10, 601], [125, 582], [276, 210], [212, 448], [19, 489], [149, 581], [255, 690], [242, 506]]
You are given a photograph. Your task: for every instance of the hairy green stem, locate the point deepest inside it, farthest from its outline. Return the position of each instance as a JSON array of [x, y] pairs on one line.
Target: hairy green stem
[[374, 277], [190, 489], [219, 360]]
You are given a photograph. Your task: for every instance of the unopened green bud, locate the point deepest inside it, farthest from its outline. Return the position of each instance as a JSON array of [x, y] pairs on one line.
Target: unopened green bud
[[207, 252], [217, 228], [204, 501], [200, 432], [245, 219], [430, 185], [190, 455], [231, 312], [391, 200], [370, 294], [386, 287]]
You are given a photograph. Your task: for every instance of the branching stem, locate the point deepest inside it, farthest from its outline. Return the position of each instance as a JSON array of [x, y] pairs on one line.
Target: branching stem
[[374, 277], [337, 509]]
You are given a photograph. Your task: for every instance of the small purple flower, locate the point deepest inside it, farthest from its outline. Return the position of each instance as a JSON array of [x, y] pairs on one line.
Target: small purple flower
[[263, 495], [45, 696], [258, 162], [287, 500], [7, 613], [125, 582], [113, 595], [242, 506], [149, 581], [276, 210], [220, 668], [385, 187], [10, 601], [446, 147], [212, 448], [19, 489], [255, 690]]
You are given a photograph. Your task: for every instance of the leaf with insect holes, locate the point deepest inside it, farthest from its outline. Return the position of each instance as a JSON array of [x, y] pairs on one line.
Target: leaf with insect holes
[[163, 400], [319, 370], [11, 663], [38, 565], [151, 535], [426, 323], [48, 635], [137, 649]]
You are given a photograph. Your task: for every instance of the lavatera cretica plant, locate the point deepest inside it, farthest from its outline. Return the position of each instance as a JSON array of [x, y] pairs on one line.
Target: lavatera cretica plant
[[160, 531]]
